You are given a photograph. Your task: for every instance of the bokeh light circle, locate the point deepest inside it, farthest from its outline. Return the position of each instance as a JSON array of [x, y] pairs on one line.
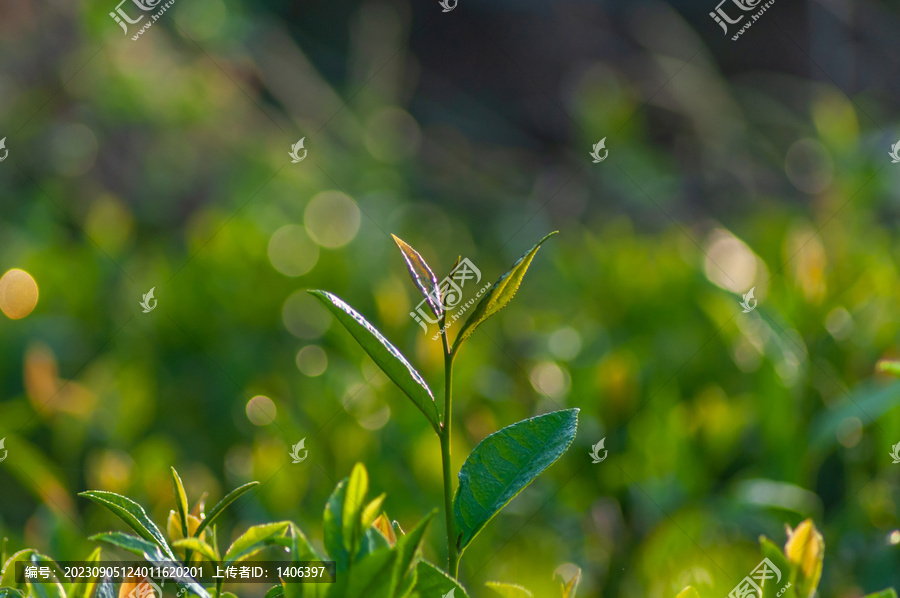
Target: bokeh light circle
[[18, 294], [312, 360], [261, 410], [331, 219], [291, 251]]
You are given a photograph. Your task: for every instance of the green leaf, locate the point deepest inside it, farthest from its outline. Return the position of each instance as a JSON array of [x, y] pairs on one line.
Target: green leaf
[[504, 463], [275, 592], [84, 588], [407, 549], [11, 593], [887, 593], [151, 553], [46, 588], [199, 546], [333, 524], [688, 592], [422, 276], [509, 590], [253, 540], [771, 587], [181, 502], [499, 294], [222, 505], [386, 355], [434, 583], [351, 512], [132, 514], [8, 577], [372, 575]]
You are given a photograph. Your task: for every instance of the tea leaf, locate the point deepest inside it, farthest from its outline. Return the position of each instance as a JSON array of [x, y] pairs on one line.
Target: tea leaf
[[106, 589], [432, 582], [84, 587], [771, 586], [888, 593], [11, 593], [274, 592], [222, 505], [8, 577], [354, 499], [499, 294], [509, 590], [181, 502], [131, 513], [504, 463], [253, 540], [46, 588], [422, 276], [383, 524], [386, 355], [333, 524], [688, 592], [198, 546], [407, 548]]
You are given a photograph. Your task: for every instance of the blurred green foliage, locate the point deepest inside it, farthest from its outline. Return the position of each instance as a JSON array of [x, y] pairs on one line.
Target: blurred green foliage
[[163, 163]]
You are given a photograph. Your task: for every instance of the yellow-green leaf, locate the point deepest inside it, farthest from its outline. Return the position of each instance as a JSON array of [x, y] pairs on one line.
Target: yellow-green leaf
[[500, 294], [571, 587], [422, 276], [688, 592], [805, 551], [181, 502], [509, 590]]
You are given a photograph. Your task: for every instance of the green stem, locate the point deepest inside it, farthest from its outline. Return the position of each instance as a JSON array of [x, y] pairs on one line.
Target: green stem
[[452, 551]]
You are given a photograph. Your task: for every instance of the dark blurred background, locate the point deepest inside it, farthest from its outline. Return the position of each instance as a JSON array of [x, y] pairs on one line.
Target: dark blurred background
[[163, 163]]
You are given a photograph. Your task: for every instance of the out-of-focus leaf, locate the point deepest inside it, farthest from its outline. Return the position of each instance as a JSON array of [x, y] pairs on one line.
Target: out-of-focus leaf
[[504, 463], [688, 592], [11, 593], [181, 502], [509, 590], [499, 295], [888, 593], [431, 581], [199, 546], [83, 587], [223, 504], [8, 577], [570, 588], [38, 475], [386, 355], [253, 540], [868, 403], [422, 276], [773, 585], [132, 514]]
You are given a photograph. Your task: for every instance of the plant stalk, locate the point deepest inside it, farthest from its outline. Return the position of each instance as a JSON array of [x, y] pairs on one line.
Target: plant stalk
[[452, 552]]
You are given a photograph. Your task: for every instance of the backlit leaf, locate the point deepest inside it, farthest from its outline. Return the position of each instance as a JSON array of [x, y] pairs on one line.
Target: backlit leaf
[[499, 295], [504, 463], [386, 355], [509, 590], [422, 276], [181, 502], [223, 504], [253, 540], [131, 513]]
